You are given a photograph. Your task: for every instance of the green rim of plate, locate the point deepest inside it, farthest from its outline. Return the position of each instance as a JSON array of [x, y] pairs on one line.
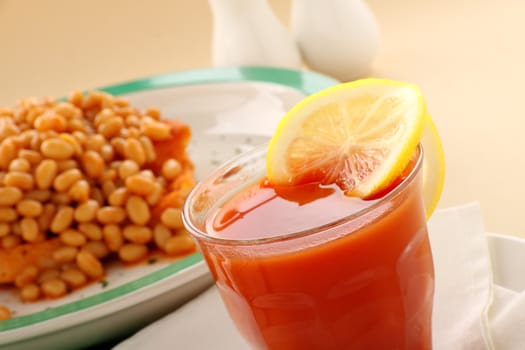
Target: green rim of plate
[[305, 82]]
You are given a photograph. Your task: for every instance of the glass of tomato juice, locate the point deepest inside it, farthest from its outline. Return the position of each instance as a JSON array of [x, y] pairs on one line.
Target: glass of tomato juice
[[306, 267]]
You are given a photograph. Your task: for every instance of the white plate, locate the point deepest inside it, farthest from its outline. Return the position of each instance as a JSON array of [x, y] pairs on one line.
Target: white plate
[[229, 110]]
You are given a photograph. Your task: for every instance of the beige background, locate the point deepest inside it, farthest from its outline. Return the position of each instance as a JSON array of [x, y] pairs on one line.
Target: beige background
[[468, 57]]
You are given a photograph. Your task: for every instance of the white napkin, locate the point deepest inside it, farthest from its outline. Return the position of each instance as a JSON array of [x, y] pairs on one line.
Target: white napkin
[[507, 317], [463, 296], [463, 278]]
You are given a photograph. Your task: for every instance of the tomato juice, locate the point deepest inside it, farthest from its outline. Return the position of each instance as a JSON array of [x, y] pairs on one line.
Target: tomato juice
[[307, 267]]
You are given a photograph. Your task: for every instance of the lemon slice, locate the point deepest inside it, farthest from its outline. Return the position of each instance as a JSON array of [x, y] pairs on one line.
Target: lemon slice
[[359, 135], [433, 166]]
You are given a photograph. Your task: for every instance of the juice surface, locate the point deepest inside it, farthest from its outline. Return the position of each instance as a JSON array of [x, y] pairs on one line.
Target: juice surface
[[371, 288]]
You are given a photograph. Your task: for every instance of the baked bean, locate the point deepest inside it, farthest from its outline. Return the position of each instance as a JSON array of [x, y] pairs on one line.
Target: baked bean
[[86, 211], [149, 150], [130, 133], [171, 168], [113, 237], [93, 164], [154, 197], [96, 194], [33, 113], [62, 220], [128, 168], [179, 244], [91, 231], [80, 137], [111, 127], [132, 252], [172, 218], [23, 181], [161, 234], [31, 156], [97, 248], [148, 174], [54, 287], [76, 98], [60, 198], [89, 264], [103, 116], [10, 241], [108, 186], [137, 234], [67, 110], [153, 112], [20, 164], [79, 191], [109, 174], [38, 195], [51, 134], [156, 131], [118, 144], [27, 276], [120, 102], [30, 292], [95, 142], [65, 254], [107, 153], [5, 313], [48, 213], [20, 142], [78, 125], [72, 238], [118, 197], [5, 229], [111, 215], [10, 195], [65, 180], [77, 149], [8, 152], [133, 120], [29, 207], [138, 210], [140, 184], [63, 165], [57, 148], [74, 278], [15, 229], [8, 214], [7, 127], [35, 143], [30, 230], [126, 111], [48, 273], [45, 173], [134, 150], [50, 121]]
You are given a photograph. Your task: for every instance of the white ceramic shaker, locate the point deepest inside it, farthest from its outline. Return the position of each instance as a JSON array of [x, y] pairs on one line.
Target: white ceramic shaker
[[339, 38], [246, 32]]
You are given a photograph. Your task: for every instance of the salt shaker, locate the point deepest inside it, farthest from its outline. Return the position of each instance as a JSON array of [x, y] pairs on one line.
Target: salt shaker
[[339, 38], [246, 32]]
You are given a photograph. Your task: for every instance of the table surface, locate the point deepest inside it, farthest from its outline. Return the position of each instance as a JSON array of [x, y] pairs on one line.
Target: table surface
[[466, 55]]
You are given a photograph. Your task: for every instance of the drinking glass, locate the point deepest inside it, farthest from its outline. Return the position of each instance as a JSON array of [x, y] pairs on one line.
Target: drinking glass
[[365, 281]]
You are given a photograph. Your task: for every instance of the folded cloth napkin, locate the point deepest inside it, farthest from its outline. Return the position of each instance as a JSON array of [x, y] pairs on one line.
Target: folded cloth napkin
[[463, 295], [507, 319]]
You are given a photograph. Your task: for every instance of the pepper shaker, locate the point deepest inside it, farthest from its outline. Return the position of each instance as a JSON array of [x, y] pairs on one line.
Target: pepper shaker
[[246, 32], [339, 38]]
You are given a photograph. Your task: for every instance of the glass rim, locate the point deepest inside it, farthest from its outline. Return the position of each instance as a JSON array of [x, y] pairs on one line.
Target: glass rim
[[219, 171]]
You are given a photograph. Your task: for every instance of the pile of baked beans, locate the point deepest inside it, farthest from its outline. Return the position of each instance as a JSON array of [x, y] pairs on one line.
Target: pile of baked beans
[[79, 173]]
